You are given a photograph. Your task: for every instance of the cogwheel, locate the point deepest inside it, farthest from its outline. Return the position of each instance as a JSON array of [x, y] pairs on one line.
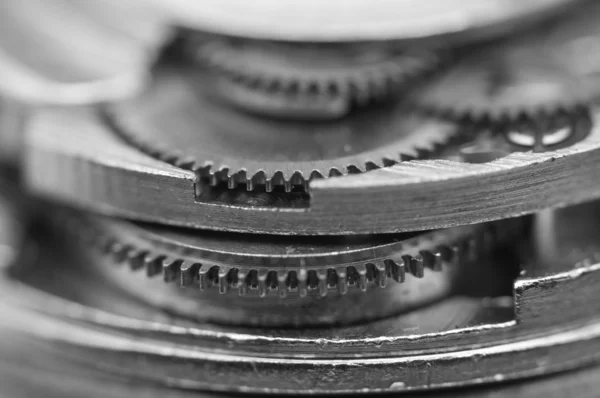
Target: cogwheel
[[555, 69], [254, 263], [309, 81], [173, 122], [538, 133]]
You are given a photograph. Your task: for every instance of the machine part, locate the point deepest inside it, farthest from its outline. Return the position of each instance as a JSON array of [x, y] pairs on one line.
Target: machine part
[[264, 264], [275, 311], [51, 54], [539, 134], [455, 343], [74, 158], [285, 265], [51, 378], [222, 144], [308, 81], [284, 281], [556, 68], [358, 20]]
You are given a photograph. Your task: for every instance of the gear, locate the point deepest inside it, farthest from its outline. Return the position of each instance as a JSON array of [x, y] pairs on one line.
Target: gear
[[74, 158], [546, 72], [308, 81], [257, 263], [174, 123]]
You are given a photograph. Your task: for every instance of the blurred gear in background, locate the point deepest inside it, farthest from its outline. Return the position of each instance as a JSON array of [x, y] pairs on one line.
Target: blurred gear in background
[[300, 197]]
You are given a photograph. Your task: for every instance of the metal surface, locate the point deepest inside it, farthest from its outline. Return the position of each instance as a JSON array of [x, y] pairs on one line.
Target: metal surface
[[338, 240], [457, 342], [551, 69], [309, 81], [357, 20], [73, 157], [281, 281], [226, 145]]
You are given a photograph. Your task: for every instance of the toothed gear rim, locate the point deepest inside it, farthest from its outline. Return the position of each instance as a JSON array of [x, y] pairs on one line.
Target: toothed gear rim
[[172, 122], [302, 80], [544, 72], [265, 263]]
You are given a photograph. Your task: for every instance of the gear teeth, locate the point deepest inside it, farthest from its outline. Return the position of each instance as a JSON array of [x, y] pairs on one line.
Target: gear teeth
[[269, 185], [398, 270], [282, 285], [342, 280], [302, 280], [242, 284], [322, 282], [381, 274], [361, 271], [171, 270], [438, 260], [262, 282], [223, 276], [255, 176], [417, 268], [152, 265], [302, 276], [204, 276], [354, 83], [119, 252], [136, 258]]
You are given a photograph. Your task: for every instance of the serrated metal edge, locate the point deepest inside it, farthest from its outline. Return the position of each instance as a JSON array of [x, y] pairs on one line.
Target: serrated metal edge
[[224, 174], [309, 280], [504, 115], [362, 85]]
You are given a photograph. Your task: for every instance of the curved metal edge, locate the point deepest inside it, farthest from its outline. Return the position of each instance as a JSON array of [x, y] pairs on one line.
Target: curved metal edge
[[552, 331], [439, 193], [189, 368], [71, 156]]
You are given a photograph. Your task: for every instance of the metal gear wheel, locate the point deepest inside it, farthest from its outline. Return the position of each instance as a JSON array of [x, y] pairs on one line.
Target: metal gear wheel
[[280, 281], [309, 81], [555, 69], [86, 165], [224, 145], [285, 265], [543, 328]]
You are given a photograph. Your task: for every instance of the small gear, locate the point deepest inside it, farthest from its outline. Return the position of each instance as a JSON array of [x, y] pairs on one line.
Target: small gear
[[173, 122], [309, 81], [554, 70], [262, 264], [537, 133]]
